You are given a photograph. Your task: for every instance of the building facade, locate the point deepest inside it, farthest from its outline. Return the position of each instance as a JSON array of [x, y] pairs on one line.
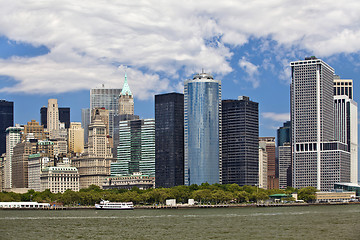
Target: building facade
[[268, 143], [13, 137], [318, 161], [129, 181], [126, 100], [35, 129], [136, 150], [59, 179], [169, 139], [107, 98], [53, 117], [284, 165], [284, 134], [240, 141], [75, 138], [85, 122], [202, 130], [263, 169], [6, 120]]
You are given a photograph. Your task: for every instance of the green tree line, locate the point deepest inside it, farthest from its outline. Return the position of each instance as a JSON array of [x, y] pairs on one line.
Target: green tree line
[[203, 194]]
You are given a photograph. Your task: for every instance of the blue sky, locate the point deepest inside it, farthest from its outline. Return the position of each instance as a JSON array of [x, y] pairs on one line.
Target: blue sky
[[61, 49]]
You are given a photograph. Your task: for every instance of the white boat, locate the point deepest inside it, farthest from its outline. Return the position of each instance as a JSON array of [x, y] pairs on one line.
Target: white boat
[[107, 205]]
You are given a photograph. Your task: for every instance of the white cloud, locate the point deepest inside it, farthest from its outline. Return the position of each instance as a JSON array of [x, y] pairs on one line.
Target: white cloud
[[87, 39], [252, 71], [278, 117]]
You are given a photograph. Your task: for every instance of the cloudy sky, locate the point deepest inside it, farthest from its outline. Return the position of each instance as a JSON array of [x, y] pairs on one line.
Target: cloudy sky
[[61, 49]]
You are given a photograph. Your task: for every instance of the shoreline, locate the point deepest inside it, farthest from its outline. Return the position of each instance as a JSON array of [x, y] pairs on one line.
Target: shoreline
[[185, 206]]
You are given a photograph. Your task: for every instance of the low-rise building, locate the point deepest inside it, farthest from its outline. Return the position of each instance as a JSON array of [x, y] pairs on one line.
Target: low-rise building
[[335, 196], [129, 181], [59, 178]]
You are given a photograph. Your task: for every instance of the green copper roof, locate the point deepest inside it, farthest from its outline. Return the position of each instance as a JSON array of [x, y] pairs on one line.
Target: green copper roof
[[126, 89]]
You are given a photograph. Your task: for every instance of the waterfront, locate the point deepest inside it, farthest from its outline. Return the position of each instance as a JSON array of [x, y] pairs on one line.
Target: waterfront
[[308, 222]]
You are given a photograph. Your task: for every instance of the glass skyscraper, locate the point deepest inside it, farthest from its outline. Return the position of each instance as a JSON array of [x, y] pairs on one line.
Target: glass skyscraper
[[136, 150], [6, 120], [169, 140], [202, 129]]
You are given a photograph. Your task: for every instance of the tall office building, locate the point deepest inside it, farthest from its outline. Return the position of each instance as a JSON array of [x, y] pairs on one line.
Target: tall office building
[[76, 138], [64, 116], [268, 143], [85, 122], [263, 169], [169, 140], [6, 120], [240, 141], [202, 129], [126, 100], [136, 150], [284, 155], [284, 134], [98, 144], [318, 160], [52, 116], [107, 98], [13, 137], [346, 121]]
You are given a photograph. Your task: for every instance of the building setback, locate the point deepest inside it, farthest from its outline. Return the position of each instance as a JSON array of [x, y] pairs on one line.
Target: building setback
[[169, 140], [318, 160], [6, 120], [240, 141], [202, 129]]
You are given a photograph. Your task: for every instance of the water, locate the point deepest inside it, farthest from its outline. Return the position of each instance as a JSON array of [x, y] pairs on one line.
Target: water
[[312, 222]]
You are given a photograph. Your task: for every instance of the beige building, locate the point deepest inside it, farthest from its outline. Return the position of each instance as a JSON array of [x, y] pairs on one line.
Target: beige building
[[19, 163], [92, 170], [268, 144], [53, 117], [126, 100], [263, 168], [59, 178], [335, 196], [103, 115], [35, 129], [75, 138], [129, 181]]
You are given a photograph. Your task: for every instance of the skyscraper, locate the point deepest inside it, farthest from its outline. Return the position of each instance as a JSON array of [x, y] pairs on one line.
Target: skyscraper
[[284, 165], [284, 134], [85, 122], [268, 143], [318, 160], [107, 98], [6, 120], [240, 141], [52, 116], [76, 138], [126, 100], [136, 150], [13, 137], [202, 129], [169, 140], [346, 121], [64, 116]]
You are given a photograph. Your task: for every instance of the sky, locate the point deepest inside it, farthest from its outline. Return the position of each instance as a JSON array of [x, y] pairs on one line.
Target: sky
[[61, 49]]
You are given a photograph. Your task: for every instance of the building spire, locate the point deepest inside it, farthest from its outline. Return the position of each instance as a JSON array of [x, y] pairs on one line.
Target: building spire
[[126, 89]]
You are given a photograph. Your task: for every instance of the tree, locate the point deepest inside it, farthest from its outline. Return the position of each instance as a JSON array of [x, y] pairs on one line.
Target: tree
[[307, 194]]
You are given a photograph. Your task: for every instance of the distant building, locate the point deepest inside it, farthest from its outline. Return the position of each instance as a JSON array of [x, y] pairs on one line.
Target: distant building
[[35, 129], [240, 142], [129, 181], [75, 138], [85, 122], [335, 196], [19, 163], [64, 116], [284, 134], [263, 169], [202, 130], [284, 165], [6, 120], [53, 117], [346, 121], [136, 150], [126, 100], [13, 137], [268, 143], [107, 98], [169, 139], [36, 162]]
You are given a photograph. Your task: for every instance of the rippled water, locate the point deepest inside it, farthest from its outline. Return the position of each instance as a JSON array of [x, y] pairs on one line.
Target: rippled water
[[312, 222]]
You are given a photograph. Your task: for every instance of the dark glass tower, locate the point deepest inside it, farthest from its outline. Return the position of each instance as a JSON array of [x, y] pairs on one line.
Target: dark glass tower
[[169, 140], [64, 116], [6, 120], [240, 144], [284, 134]]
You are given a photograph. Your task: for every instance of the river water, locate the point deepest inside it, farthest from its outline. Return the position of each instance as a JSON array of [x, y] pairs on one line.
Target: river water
[[306, 222]]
